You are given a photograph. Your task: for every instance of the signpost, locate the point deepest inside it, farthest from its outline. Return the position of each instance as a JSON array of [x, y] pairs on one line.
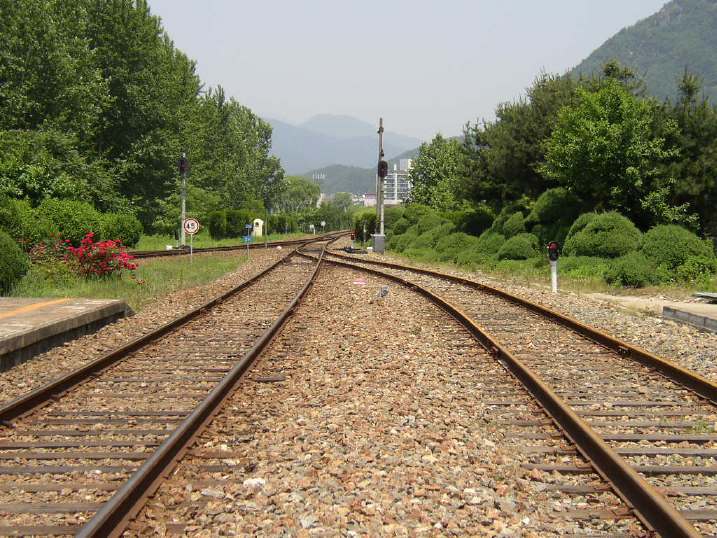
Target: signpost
[[247, 237], [381, 173], [553, 254], [190, 226], [183, 168]]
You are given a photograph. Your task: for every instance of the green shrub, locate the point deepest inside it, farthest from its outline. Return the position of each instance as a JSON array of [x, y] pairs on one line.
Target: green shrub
[[697, 269], [365, 219], [449, 246], [520, 247], [237, 219], [551, 232], [13, 262], [554, 205], [123, 226], [580, 223], [473, 259], [73, 219], [10, 221], [391, 215], [607, 235], [400, 226], [217, 224], [670, 245], [399, 243], [429, 238], [514, 225], [583, 267], [414, 212], [473, 221], [428, 222], [34, 227], [633, 270], [282, 223], [490, 242], [422, 254]]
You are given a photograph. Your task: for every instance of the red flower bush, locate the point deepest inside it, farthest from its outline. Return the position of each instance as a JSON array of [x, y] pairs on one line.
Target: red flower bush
[[100, 258]]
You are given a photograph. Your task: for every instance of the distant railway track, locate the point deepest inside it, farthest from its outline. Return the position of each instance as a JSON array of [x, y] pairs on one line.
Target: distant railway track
[[143, 254], [82, 454], [644, 424]]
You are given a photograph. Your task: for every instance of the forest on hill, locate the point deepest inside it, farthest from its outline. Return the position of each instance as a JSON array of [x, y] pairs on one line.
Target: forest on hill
[[681, 36]]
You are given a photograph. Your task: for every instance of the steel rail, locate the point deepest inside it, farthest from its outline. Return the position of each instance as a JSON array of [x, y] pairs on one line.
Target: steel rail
[[115, 514], [43, 394], [145, 254], [688, 379], [650, 506]]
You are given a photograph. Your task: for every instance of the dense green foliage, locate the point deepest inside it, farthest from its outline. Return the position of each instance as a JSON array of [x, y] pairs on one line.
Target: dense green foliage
[[13, 262], [607, 235], [633, 270], [519, 247], [96, 105], [671, 245], [436, 172]]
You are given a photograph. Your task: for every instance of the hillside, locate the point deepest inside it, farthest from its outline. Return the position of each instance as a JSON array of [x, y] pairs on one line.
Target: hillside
[[683, 34], [341, 178], [326, 139]]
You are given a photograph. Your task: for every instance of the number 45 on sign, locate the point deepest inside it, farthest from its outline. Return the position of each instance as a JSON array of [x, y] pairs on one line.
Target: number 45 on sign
[[191, 227]]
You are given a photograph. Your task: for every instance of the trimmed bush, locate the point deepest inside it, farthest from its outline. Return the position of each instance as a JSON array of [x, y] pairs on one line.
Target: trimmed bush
[[391, 215], [122, 227], [490, 242], [473, 259], [514, 225], [580, 223], [697, 269], [473, 221], [607, 235], [13, 262], [400, 226], [583, 267], [554, 205], [237, 219], [632, 270], [422, 254], [429, 238], [520, 247], [34, 227], [671, 245], [450, 246], [217, 224], [399, 243], [74, 219], [551, 232], [282, 223], [429, 222]]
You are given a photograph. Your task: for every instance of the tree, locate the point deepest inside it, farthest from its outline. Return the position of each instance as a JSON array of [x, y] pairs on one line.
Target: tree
[[299, 194], [502, 157], [435, 175], [604, 150]]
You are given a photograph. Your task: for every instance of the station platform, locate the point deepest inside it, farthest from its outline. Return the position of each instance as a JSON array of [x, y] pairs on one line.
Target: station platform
[[32, 326]]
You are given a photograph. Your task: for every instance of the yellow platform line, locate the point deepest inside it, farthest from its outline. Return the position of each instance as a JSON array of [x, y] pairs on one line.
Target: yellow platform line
[[30, 308]]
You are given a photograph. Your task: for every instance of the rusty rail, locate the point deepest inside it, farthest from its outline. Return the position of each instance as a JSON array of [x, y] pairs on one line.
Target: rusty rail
[[690, 380], [650, 505], [144, 254], [114, 515], [45, 393]]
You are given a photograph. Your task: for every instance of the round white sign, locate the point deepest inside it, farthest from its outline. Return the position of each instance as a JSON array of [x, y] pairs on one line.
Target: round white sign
[[191, 226]]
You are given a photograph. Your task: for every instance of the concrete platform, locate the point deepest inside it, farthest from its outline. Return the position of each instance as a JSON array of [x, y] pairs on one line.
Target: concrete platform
[[698, 314], [32, 326]]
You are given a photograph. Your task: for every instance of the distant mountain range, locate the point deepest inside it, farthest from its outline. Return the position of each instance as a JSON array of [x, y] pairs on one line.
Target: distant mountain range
[[326, 139], [682, 35]]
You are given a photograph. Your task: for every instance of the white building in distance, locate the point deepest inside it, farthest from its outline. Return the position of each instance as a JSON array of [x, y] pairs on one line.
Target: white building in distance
[[397, 186]]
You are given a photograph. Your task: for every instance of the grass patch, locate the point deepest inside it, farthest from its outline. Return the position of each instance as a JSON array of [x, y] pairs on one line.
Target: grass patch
[[203, 240], [153, 279]]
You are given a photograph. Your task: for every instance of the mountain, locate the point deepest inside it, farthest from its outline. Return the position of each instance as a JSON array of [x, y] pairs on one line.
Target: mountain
[[326, 139], [682, 35], [341, 178]]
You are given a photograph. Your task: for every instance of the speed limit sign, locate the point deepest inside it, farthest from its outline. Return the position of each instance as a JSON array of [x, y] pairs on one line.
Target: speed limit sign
[[191, 226]]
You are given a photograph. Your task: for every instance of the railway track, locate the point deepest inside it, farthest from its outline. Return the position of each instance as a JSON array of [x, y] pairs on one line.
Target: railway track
[[144, 254], [645, 425], [80, 455]]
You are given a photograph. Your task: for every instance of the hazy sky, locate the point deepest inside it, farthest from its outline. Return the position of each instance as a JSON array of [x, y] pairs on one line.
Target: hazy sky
[[424, 65]]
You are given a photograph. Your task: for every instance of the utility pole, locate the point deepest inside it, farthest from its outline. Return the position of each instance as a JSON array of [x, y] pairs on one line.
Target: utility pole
[[382, 172], [183, 167]]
